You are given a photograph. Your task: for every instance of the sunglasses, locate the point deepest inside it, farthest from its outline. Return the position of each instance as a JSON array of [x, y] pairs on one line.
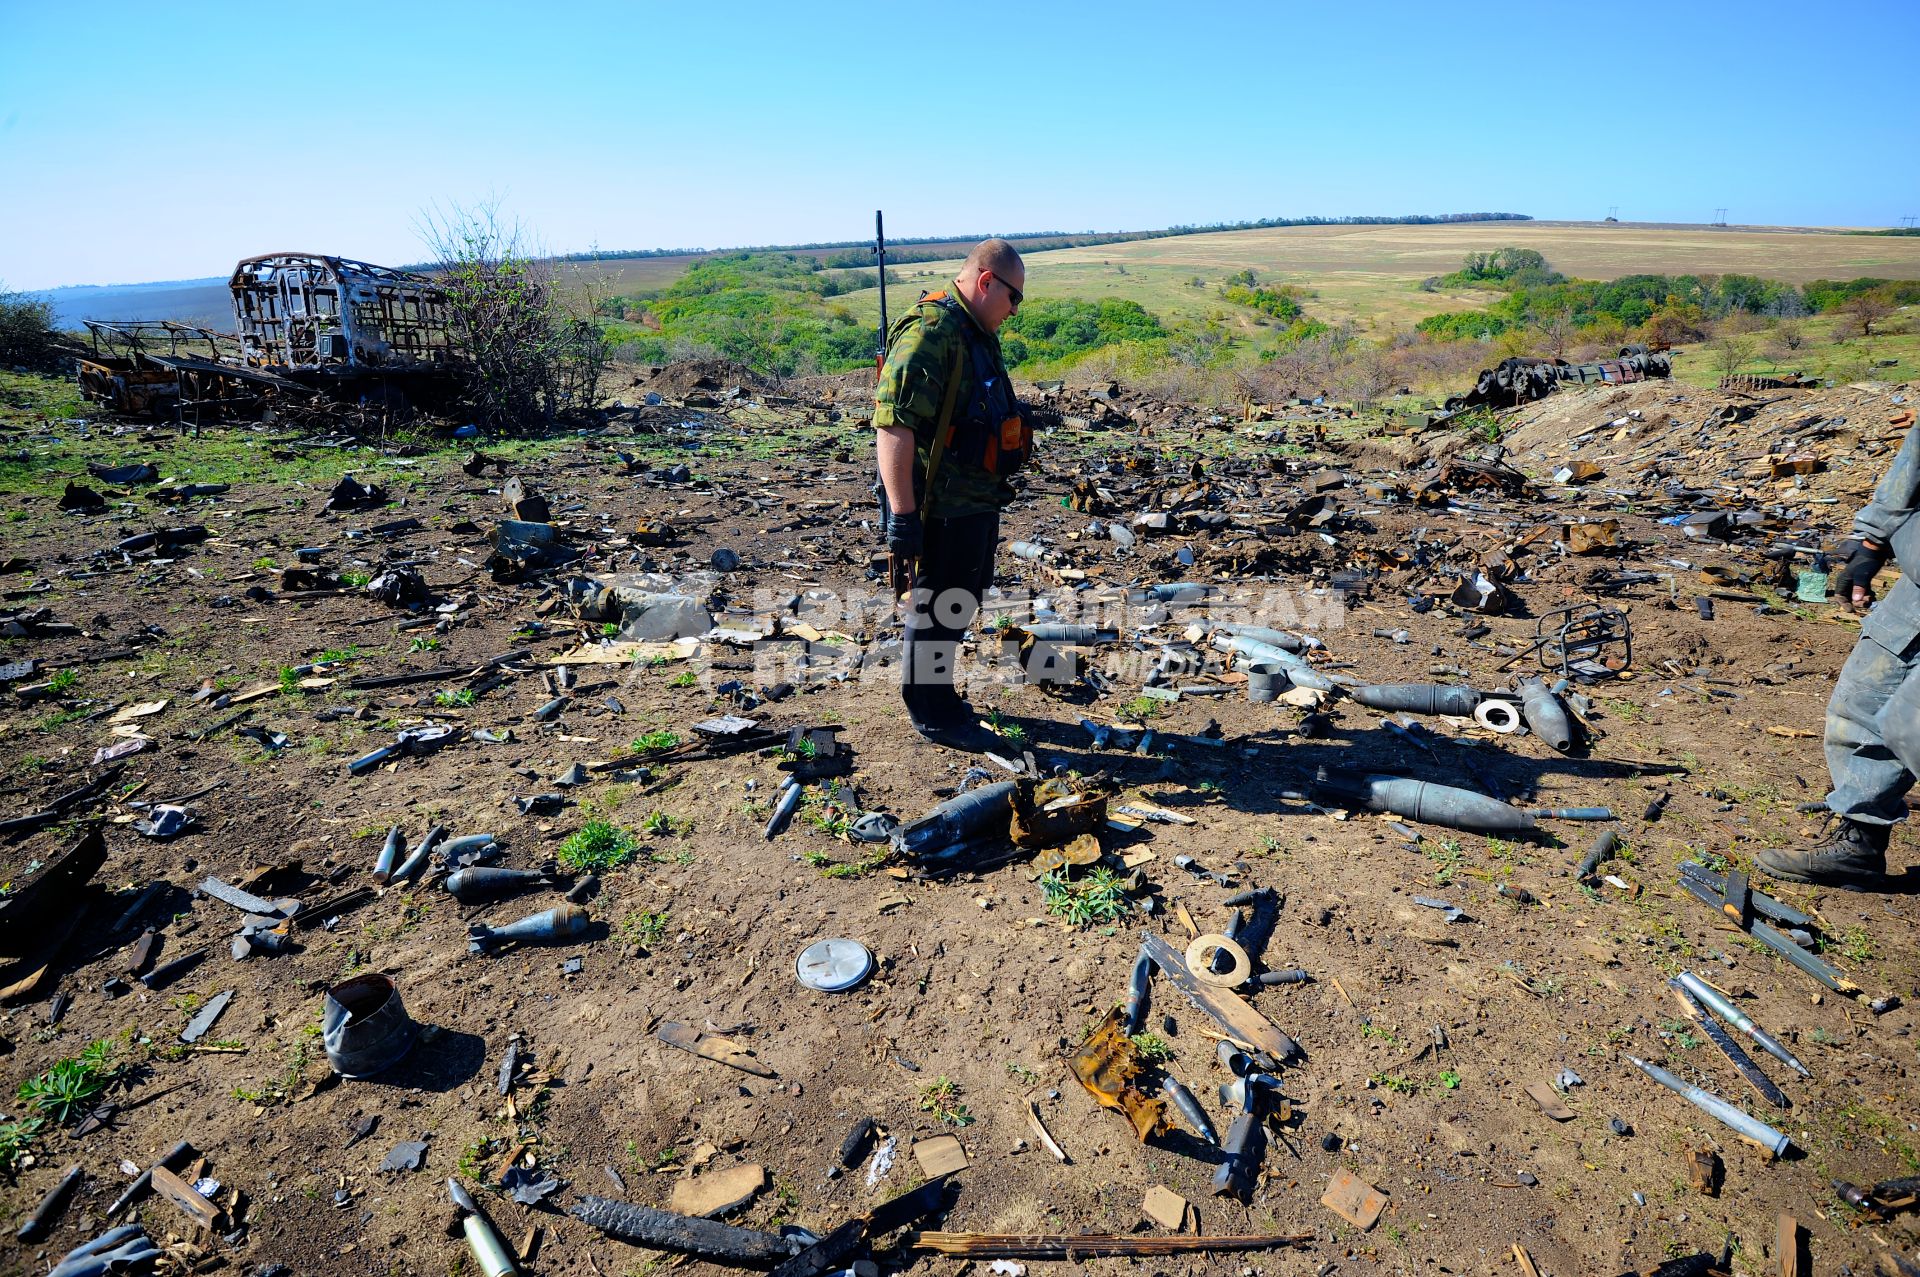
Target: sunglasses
[[1014, 295]]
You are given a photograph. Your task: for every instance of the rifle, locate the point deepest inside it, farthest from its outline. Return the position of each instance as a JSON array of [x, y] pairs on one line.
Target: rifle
[[899, 570], [880, 252]]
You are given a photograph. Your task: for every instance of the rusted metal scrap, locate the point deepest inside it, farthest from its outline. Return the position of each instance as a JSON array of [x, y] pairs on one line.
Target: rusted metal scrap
[[664, 1230], [1085, 1245], [1516, 381], [1051, 812], [831, 1251], [1107, 1064]]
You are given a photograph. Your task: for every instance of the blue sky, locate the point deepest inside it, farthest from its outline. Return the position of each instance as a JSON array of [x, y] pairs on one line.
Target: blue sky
[[147, 141]]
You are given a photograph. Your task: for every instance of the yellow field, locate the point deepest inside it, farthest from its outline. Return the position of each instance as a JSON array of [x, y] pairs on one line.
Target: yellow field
[[1371, 273]]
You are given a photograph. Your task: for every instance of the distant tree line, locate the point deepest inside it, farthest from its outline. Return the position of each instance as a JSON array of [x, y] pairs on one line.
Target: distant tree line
[[1665, 307], [900, 250]]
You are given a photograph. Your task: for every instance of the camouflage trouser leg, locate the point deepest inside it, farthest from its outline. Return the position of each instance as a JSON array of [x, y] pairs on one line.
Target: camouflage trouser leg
[[1873, 720]]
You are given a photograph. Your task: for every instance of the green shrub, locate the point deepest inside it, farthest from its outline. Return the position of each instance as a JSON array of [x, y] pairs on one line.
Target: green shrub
[[72, 1087], [1281, 303], [1067, 328], [597, 845]]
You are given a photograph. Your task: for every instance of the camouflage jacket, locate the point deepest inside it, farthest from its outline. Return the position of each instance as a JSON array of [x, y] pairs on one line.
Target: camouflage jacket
[[913, 383]]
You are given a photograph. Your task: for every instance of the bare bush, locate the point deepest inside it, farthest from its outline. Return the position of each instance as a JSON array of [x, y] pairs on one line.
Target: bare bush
[[1556, 331], [1860, 314], [531, 352], [1731, 351], [27, 339], [1366, 377], [1788, 335]]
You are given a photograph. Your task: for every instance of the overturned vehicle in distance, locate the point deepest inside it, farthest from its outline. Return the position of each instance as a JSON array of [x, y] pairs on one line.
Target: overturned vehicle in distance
[[304, 324], [1517, 381]]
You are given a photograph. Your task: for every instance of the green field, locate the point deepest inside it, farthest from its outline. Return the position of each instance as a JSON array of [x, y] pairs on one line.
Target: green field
[[630, 275]]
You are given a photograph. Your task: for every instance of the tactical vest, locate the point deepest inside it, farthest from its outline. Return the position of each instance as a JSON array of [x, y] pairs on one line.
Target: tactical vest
[[987, 428]]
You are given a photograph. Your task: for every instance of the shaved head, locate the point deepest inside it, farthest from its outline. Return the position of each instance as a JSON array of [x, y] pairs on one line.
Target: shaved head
[[991, 281], [994, 255]]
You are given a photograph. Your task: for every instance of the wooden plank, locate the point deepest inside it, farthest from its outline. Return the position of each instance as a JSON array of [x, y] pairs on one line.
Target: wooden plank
[[711, 1046], [181, 1194], [1548, 1099], [1789, 1247], [1354, 1200], [1224, 1007]]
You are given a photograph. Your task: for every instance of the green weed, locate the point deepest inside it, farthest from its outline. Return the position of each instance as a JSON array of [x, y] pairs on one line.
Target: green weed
[[597, 845], [71, 1087], [16, 1139], [1101, 896], [941, 1097], [1151, 1046], [645, 929]]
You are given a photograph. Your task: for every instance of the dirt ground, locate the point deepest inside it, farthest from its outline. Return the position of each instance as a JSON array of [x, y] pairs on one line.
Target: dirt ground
[[1419, 1037]]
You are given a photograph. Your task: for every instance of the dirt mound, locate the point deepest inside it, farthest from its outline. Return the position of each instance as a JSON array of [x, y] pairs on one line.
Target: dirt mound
[[1799, 448], [693, 375]]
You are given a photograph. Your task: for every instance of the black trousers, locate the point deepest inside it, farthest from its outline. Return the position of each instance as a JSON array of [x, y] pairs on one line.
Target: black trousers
[[955, 569]]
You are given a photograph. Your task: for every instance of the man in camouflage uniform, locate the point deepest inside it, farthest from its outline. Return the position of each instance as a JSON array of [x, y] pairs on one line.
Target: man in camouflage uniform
[[943, 364], [1873, 720]]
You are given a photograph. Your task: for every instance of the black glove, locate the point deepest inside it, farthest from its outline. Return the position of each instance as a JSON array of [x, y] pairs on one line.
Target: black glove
[[1862, 565], [905, 536]]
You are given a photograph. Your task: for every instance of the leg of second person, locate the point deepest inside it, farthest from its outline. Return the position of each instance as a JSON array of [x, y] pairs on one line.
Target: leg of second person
[[1870, 780]]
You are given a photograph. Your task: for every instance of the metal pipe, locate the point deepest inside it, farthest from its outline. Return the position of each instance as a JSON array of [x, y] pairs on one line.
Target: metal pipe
[[1571, 813], [1746, 1127], [389, 855], [40, 1219], [418, 860], [1189, 1108], [1139, 982], [1602, 849], [367, 762], [173, 1159], [1724, 1008]]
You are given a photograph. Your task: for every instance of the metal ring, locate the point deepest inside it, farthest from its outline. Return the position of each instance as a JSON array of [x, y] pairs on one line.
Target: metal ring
[[1497, 715], [1200, 960]]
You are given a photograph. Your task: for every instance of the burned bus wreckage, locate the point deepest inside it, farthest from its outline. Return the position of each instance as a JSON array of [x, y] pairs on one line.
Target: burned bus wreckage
[[307, 326]]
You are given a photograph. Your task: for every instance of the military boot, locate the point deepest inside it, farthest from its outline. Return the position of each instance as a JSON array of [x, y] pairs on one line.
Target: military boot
[[1850, 856]]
